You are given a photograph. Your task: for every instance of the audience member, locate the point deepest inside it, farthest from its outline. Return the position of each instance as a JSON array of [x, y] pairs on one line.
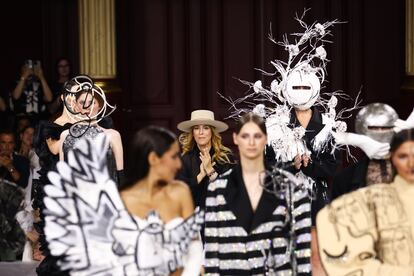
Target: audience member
[[31, 92], [204, 155], [13, 167], [64, 74], [26, 148]]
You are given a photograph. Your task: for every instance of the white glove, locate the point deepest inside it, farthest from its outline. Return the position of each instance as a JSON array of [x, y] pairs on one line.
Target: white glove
[[373, 149], [401, 124]]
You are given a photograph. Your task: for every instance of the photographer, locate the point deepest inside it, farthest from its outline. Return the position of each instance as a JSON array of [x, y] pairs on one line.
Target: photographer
[[31, 92]]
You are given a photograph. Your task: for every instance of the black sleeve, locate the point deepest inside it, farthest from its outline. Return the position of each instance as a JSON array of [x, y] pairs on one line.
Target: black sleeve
[[270, 156], [343, 182], [121, 177], [322, 165], [185, 173], [338, 186], [22, 165], [188, 174]]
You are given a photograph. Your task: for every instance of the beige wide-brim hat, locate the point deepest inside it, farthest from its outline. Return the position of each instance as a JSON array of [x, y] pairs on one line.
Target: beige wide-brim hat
[[202, 117]]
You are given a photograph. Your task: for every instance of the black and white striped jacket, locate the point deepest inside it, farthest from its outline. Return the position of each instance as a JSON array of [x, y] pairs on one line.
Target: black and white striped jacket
[[239, 241]]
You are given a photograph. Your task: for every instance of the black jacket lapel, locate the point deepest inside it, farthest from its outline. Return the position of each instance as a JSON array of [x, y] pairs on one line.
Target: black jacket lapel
[[267, 204], [238, 199], [239, 202]]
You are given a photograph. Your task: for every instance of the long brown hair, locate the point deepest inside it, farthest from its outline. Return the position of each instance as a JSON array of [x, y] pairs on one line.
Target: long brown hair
[[251, 117], [221, 153]]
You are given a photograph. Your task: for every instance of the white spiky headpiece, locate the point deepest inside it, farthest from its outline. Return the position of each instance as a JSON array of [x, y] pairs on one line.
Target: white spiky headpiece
[[298, 80], [296, 84]]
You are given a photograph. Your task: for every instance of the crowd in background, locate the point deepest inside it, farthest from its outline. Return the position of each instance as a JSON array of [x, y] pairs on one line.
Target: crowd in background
[[32, 98], [198, 159]]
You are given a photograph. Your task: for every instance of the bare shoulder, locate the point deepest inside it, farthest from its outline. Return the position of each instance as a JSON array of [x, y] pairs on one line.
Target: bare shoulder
[[64, 133], [178, 188], [112, 132]]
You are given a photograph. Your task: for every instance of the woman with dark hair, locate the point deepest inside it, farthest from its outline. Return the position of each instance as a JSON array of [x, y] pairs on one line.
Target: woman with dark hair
[[149, 227], [370, 231], [150, 186], [247, 227], [203, 154], [63, 75], [87, 105]]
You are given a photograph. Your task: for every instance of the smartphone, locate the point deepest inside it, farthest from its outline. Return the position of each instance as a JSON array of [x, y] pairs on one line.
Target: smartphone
[[29, 63], [36, 65]]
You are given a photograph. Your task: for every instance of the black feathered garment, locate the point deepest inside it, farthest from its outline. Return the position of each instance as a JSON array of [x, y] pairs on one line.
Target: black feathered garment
[[44, 131]]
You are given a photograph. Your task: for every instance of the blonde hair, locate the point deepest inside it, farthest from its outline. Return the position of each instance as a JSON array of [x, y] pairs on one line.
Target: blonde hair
[[221, 153]]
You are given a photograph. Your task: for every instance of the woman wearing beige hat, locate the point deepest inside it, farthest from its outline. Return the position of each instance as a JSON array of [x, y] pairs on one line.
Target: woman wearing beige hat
[[203, 154]]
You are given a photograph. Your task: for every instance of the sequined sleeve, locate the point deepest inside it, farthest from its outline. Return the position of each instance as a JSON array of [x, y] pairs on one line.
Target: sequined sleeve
[[231, 250]]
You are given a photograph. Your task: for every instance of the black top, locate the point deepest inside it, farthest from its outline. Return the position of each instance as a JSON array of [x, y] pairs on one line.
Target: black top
[[47, 160], [22, 165], [31, 100], [323, 165], [191, 168], [239, 202], [351, 178]]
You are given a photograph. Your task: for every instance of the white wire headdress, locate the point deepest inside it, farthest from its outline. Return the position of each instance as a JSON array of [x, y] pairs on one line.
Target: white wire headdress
[[304, 70], [93, 107]]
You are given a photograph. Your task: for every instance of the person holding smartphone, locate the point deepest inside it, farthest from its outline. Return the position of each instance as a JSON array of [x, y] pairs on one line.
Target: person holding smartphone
[[32, 92]]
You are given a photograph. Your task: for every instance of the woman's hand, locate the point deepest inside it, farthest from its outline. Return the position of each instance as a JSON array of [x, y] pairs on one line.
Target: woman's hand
[[300, 160], [37, 253], [305, 160], [38, 71], [201, 174], [206, 161], [32, 235], [26, 72], [297, 161]]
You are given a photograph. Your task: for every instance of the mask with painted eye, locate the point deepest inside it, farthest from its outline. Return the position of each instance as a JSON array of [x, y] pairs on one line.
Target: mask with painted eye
[[302, 89], [376, 120]]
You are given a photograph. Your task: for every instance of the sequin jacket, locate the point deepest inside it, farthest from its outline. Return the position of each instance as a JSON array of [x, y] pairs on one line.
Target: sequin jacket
[[239, 241], [369, 231]]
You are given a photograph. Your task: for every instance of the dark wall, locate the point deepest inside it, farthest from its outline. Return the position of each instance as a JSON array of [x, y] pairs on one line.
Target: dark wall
[[41, 29], [174, 56]]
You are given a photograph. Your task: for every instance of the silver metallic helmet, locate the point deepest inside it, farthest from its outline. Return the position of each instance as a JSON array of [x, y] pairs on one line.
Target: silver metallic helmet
[[376, 120]]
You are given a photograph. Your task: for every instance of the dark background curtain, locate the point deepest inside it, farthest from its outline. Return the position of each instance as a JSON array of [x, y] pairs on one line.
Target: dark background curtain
[[174, 56]]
